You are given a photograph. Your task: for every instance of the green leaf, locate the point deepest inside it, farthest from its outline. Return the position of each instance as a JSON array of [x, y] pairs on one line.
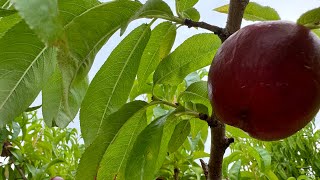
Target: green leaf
[[155, 8], [196, 126], [236, 132], [6, 23], [193, 54], [114, 161], [262, 157], [192, 14], [254, 12], [149, 150], [24, 69], [234, 172], [53, 110], [265, 159], [200, 154], [110, 128], [111, 86], [6, 12], [86, 34], [183, 5], [310, 18], [151, 9], [42, 16], [68, 10], [196, 93], [234, 156], [159, 46], [270, 175], [179, 135]]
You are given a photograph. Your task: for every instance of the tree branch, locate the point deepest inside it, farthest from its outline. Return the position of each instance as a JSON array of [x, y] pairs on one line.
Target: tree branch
[[235, 15], [219, 141], [215, 29]]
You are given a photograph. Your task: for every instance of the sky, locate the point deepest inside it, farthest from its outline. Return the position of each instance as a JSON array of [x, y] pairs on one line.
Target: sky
[[287, 9]]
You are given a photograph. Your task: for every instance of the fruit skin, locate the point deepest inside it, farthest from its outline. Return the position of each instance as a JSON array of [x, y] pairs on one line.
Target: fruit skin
[[265, 79]]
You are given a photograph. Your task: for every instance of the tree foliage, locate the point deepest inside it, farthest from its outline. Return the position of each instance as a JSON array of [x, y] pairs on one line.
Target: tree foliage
[[49, 46]]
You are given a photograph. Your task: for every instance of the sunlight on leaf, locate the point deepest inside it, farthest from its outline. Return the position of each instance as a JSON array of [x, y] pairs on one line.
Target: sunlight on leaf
[[24, 68], [111, 86], [254, 12], [310, 19], [42, 17]]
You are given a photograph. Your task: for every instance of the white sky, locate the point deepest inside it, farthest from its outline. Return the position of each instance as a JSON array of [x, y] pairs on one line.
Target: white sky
[[287, 9]]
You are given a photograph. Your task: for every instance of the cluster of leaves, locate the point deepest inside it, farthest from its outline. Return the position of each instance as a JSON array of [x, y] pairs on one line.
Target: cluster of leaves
[[50, 45], [294, 157], [32, 150]]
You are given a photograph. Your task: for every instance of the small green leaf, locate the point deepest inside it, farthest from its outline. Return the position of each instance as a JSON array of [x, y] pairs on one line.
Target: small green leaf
[[265, 158], [310, 18], [91, 158], [179, 135], [303, 177], [160, 43], [234, 156], [196, 93], [236, 132], [53, 110], [151, 9], [148, 154], [196, 126], [200, 154], [193, 54], [183, 5], [6, 12], [191, 13], [42, 16], [234, 172], [254, 12], [24, 68], [114, 161], [270, 175], [154, 8], [111, 86]]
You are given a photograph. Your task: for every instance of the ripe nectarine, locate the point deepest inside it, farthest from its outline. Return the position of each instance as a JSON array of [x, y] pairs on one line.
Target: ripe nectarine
[[265, 79]]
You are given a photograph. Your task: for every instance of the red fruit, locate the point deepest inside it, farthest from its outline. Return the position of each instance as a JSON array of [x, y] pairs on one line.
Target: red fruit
[[57, 178], [265, 79]]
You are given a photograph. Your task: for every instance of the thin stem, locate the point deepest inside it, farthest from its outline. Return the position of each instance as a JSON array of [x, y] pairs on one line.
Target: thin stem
[[19, 169]]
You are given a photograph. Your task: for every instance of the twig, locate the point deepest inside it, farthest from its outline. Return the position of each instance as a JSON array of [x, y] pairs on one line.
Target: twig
[[219, 141], [176, 173], [215, 29], [204, 168], [19, 169]]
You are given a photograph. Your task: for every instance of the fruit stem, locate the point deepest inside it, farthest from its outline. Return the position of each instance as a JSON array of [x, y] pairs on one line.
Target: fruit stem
[[219, 141]]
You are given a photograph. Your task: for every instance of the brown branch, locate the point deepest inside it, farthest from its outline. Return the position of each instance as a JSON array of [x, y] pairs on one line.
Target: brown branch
[[204, 168], [215, 29], [219, 141], [235, 15], [176, 173]]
